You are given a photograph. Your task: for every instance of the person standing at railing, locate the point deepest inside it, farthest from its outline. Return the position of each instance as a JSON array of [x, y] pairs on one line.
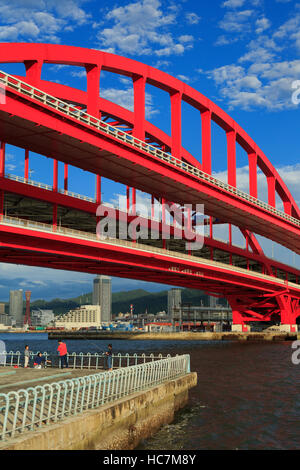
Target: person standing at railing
[[26, 356], [109, 357], [63, 354]]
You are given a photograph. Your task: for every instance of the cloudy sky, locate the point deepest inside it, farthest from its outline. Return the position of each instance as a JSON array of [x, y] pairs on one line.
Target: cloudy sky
[[242, 54]]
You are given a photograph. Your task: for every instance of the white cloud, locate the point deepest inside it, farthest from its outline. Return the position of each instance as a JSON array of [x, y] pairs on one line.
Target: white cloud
[[262, 76], [124, 98], [262, 24], [192, 18], [237, 21], [261, 85], [186, 38], [184, 78], [233, 3], [141, 28], [39, 20]]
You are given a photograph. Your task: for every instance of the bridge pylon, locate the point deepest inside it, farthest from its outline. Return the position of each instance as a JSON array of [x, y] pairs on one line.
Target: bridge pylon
[[280, 307]]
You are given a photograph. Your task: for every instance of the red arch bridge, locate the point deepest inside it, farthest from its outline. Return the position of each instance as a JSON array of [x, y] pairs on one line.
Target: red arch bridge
[[82, 129]]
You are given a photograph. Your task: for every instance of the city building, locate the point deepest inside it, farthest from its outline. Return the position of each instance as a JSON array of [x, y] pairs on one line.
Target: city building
[[5, 320], [84, 316], [102, 296], [2, 308], [174, 301], [16, 306], [42, 317]]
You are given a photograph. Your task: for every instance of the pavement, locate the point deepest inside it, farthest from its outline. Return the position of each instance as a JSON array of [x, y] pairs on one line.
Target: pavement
[[13, 379]]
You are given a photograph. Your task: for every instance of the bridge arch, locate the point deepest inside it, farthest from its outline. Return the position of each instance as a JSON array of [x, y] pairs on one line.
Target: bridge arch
[[35, 55]]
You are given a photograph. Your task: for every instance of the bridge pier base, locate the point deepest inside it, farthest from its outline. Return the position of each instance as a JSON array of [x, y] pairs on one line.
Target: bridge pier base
[[288, 328], [241, 327]]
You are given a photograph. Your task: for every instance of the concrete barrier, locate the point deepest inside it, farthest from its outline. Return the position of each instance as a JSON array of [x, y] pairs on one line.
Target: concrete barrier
[[119, 425]]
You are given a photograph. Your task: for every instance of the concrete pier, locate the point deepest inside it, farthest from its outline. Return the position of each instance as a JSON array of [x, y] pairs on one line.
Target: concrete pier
[[184, 335], [118, 425], [12, 379]]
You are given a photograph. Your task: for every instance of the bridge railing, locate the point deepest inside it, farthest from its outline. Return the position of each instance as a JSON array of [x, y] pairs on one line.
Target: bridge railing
[[79, 360], [82, 116], [48, 187], [29, 409]]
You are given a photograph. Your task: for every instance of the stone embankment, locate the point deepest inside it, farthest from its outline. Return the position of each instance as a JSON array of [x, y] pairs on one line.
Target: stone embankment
[[120, 425], [187, 336]]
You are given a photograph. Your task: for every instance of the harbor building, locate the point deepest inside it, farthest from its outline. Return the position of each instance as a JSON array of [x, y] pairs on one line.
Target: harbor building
[[102, 297], [84, 316], [16, 306], [174, 301]]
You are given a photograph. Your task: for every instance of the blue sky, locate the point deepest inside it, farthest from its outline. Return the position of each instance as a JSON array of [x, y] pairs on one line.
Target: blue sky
[[242, 54]]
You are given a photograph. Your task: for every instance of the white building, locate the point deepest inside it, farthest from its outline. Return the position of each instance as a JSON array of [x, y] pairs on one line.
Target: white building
[[84, 316], [41, 317]]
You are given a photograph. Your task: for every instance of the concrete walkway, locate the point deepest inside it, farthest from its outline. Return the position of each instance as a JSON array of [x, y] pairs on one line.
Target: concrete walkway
[[12, 379]]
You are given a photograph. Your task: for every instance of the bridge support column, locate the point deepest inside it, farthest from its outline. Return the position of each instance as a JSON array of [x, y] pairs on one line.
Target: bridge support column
[[33, 71], [271, 190], [176, 124], [289, 311], [238, 322], [206, 141], [2, 159], [93, 89], [2, 174], [231, 157], [55, 187], [252, 174], [66, 170], [26, 165]]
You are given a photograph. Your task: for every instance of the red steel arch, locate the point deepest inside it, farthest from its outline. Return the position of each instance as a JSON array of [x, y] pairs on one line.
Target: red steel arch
[[35, 55]]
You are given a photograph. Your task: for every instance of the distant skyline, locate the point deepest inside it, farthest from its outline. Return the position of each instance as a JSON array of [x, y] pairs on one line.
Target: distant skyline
[[242, 54]]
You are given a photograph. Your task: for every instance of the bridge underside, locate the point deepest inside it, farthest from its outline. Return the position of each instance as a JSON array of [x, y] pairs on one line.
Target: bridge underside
[[90, 150], [251, 298]]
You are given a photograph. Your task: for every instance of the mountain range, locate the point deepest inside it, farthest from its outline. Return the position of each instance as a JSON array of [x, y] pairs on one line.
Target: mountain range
[[141, 299]]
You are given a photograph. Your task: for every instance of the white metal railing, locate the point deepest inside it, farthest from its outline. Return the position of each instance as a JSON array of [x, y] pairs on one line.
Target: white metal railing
[[48, 187], [85, 118], [79, 360], [63, 231], [29, 409]]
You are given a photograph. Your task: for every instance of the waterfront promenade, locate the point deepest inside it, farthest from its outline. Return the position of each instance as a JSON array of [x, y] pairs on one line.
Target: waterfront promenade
[[77, 408]]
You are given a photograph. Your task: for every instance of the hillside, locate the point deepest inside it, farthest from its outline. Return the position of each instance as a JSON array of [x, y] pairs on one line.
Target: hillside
[[141, 299]]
